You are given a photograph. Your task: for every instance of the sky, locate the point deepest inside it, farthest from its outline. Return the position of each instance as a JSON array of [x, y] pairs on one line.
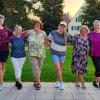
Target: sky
[[72, 6]]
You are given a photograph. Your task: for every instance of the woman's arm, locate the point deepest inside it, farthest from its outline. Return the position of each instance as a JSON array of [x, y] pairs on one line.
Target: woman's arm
[[26, 33], [47, 41], [71, 39]]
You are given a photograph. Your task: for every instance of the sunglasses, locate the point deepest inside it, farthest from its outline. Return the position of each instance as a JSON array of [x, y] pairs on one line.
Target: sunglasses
[[62, 25]]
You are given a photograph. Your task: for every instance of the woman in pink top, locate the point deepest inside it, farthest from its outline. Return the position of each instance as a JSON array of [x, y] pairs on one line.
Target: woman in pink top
[[95, 51], [5, 33]]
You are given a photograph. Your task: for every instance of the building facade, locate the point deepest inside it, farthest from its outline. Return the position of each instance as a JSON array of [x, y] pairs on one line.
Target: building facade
[[75, 23]]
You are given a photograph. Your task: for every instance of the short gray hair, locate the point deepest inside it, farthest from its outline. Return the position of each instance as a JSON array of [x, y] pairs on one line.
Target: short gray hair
[[84, 26], [96, 22], [18, 27], [2, 17]]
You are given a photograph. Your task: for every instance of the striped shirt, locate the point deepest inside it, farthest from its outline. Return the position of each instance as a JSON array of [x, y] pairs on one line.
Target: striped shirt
[[57, 43]]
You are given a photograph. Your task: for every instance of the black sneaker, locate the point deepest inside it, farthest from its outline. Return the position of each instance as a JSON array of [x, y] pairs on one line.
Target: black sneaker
[[95, 84], [16, 84], [19, 86], [99, 85]]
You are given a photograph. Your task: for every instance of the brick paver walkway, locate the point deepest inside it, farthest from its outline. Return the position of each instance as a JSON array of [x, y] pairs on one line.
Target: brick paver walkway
[[48, 92]]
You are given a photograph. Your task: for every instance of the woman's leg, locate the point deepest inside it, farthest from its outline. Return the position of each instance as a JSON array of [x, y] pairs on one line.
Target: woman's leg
[[35, 69], [3, 68], [62, 60], [16, 66], [96, 62], [40, 63], [81, 78], [77, 80], [1, 73], [21, 63], [59, 71]]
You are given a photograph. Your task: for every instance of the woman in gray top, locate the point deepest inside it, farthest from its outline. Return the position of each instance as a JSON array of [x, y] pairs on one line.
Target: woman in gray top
[[58, 51]]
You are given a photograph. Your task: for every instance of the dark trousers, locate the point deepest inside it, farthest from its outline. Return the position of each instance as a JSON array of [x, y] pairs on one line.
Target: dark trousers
[[96, 62]]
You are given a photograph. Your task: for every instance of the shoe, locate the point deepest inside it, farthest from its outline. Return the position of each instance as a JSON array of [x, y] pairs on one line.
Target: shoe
[[1, 86], [77, 84], [99, 85], [61, 87], [38, 86], [83, 86], [57, 85], [19, 87], [35, 83], [95, 84], [16, 84]]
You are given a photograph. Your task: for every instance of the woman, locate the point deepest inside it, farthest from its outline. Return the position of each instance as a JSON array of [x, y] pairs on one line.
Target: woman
[[5, 33], [80, 55], [36, 38], [58, 51], [18, 54], [95, 51]]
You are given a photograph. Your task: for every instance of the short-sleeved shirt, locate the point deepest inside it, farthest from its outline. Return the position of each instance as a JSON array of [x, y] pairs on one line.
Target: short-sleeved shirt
[[36, 43], [57, 43], [18, 46], [5, 33], [94, 44]]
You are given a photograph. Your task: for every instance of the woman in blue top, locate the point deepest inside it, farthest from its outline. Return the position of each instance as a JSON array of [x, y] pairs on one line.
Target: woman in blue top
[[18, 53]]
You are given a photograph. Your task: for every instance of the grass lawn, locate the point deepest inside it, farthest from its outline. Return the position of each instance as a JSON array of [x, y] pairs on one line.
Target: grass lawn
[[48, 71]]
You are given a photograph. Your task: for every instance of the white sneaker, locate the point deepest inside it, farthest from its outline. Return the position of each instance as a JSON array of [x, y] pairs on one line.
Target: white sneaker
[[57, 84], [1, 86], [61, 86]]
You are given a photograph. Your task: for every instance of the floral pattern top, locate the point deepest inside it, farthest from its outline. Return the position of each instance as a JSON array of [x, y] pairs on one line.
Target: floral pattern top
[[36, 43]]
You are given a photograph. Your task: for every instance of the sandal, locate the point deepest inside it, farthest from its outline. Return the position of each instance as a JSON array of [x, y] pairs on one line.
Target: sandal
[[35, 83], [83, 86], [77, 84], [38, 87], [95, 84]]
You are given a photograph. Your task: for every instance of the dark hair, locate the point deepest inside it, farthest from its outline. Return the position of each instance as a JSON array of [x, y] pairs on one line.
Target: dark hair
[[41, 24]]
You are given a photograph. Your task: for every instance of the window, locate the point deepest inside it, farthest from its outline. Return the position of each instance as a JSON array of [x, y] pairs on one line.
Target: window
[[78, 19], [75, 27]]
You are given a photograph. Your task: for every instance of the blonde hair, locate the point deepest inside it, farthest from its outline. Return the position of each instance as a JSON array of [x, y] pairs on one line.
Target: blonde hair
[[84, 26]]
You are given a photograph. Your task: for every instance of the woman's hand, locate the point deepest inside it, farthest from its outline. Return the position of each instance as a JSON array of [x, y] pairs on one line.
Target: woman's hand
[[25, 33]]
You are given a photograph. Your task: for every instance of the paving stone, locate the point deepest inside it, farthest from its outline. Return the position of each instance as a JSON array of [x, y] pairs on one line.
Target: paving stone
[[82, 96], [63, 96], [44, 96], [95, 96]]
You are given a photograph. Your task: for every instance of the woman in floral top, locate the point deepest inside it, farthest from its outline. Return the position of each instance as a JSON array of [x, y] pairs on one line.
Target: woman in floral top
[[36, 39], [80, 54]]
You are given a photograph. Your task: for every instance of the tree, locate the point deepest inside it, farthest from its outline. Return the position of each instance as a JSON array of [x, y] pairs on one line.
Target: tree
[[16, 12], [1, 5], [51, 14], [91, 12], [67, 18]]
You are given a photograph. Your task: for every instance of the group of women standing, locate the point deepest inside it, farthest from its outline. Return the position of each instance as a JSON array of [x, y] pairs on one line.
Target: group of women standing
[[57, 40]]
